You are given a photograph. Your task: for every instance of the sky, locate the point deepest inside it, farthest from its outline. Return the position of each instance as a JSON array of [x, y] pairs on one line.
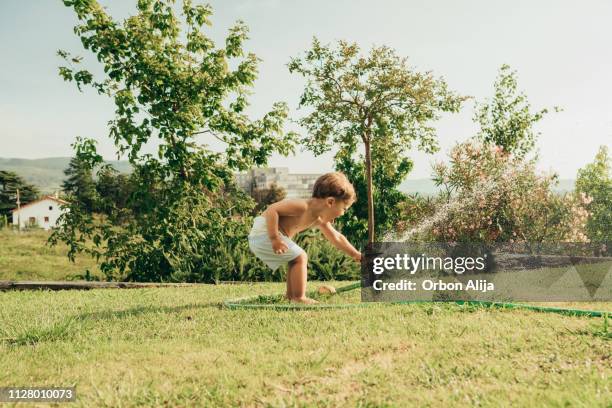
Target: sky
[[559, 48]]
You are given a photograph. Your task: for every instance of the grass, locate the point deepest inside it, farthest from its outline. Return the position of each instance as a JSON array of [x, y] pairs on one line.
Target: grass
[[178, 347], [25, 256]]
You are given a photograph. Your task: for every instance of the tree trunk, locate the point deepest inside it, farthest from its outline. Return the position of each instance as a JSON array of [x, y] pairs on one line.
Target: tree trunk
[[368, 169]]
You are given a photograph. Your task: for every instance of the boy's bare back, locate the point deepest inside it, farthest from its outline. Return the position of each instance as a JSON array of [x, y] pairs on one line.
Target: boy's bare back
[[294, 216]]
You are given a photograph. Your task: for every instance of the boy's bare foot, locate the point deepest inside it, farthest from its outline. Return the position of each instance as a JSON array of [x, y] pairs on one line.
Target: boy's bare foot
[[304, 300]]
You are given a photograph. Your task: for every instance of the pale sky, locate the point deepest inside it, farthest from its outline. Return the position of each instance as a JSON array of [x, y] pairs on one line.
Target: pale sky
[[560, 48]]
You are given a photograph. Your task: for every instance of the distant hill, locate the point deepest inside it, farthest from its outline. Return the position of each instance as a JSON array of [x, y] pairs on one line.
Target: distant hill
[[47, 174]]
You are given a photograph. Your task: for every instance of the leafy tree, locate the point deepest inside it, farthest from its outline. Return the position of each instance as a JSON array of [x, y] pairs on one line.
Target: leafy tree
[[374, 100], [172, 88], [79, 185], [507, 120], [266, 196], [387, 176], [595, 183], [114, 189], [10, 182]]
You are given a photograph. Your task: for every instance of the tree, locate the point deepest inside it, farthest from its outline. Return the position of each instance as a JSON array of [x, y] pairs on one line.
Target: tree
[[79, 184], [387, 176], [375, 100], [594, 182], [171, 88], [266, 196], [9, 184], [114, 189], [507, 120]]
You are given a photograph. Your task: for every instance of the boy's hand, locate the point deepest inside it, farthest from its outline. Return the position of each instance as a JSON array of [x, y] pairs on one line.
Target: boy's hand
[[279, 246], [357, 258]]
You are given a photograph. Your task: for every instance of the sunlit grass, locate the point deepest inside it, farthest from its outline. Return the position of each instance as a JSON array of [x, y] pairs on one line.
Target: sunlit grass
[[25, 256], [178, 347]]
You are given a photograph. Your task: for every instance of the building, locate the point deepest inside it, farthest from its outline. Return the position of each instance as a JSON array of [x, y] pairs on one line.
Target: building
[[43, 213], [296, 185]]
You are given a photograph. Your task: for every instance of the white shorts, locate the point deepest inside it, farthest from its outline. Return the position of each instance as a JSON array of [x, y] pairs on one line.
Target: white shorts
[[261, 246]]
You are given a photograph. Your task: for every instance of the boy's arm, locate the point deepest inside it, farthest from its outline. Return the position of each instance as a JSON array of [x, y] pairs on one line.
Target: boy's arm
[[272, 214], [284, 207], [339, 240]]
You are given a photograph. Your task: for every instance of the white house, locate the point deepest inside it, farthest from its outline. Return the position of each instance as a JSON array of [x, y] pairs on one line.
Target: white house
[[43, 212]]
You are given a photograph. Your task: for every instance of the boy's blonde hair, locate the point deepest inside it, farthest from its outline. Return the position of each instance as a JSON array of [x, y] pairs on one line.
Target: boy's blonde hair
[[335, 185]]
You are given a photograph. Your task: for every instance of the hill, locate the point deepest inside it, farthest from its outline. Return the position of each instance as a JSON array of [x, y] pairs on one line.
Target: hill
[[47, 174]]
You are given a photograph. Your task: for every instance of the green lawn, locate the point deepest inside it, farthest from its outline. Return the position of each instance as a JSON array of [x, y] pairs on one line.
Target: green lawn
[[178, 347], [25, 256]]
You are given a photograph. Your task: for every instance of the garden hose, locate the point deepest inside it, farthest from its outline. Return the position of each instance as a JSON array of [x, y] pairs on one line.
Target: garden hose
[[249, 303]]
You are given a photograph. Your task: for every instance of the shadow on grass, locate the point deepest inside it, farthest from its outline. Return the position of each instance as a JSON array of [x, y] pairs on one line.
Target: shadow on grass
[[66, 328], [141, 310], [57, 331]]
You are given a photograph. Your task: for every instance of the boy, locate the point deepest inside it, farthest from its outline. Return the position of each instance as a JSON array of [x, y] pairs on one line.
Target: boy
[[270, 237]]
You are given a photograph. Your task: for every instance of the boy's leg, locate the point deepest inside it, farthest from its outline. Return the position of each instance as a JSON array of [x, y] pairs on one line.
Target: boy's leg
[[289, 294], [296, 279]]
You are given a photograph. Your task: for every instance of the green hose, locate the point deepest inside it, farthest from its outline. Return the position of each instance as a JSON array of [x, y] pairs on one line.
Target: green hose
[[247, 303]]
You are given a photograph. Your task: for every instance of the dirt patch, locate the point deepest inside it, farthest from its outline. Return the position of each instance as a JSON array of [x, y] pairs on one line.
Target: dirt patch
[[340, 382]]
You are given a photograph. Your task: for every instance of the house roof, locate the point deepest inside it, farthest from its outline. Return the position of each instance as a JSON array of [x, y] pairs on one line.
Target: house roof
[[58, 200]]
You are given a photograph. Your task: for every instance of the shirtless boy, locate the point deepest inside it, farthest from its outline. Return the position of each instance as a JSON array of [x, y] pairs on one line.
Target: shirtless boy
[[270, 237]]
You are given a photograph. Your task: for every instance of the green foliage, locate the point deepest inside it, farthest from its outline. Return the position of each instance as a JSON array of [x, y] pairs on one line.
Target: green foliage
[[387, 176], [171, 89], [79, 185], [114, 190], [379, 102], [9, 184], [325, 262], [604, 329], [507, 120], [595, 182]]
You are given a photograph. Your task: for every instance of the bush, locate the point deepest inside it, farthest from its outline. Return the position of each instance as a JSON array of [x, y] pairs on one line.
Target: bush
[[325, 262], [594, 183], [414, 210], [199, 237], [494, 196]]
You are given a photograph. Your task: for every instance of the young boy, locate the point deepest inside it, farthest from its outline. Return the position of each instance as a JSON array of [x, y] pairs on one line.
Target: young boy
[[270, 237]]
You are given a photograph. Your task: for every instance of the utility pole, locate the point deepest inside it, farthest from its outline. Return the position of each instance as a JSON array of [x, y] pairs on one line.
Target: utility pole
[[18, 212]]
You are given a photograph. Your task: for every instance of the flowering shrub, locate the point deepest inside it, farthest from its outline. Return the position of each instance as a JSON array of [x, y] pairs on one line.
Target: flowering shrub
[[493, 196], [413, 210]]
